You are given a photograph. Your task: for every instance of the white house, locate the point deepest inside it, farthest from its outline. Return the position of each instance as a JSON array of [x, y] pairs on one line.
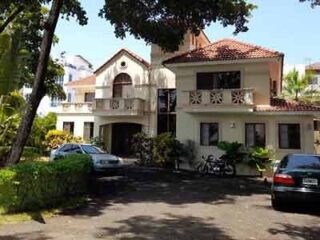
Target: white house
[[206, 92], [75, 67]]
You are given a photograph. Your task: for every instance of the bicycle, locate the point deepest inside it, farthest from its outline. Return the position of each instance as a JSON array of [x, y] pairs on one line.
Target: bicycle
[[216, 166]]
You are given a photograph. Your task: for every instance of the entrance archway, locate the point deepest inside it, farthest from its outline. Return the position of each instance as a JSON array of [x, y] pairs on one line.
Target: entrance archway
[[122, 134]]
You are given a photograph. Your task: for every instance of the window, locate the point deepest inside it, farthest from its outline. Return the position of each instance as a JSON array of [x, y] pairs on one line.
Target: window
[[289, 136], [70, 77], [209, 134], [167, 99], [59, 80], [313, 81], [54, 102], [69, 97], [68, 127], [88, 130], [89, 97], [218, 80], [255, 134], [27, 97], [300, 162], [122, 86], [316, 125], [91, 149]]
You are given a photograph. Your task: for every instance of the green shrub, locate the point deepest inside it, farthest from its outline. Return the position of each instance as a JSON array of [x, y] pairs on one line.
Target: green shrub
[[31, 154], [55, 138], [38, 185], [166, 150]]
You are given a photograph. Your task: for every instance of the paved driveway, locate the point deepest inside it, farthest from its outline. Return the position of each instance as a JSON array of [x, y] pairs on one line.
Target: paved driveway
[[151, 204]]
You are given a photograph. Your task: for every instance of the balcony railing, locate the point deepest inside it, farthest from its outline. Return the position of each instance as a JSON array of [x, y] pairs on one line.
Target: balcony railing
[[119, 106], [219, 97], [75, 108]]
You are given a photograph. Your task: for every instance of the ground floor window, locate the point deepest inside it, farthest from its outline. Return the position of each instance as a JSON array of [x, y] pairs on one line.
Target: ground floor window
[[167, 123], [289, 136], [255, 134], [88, 130], [68, 127], [209, 134]]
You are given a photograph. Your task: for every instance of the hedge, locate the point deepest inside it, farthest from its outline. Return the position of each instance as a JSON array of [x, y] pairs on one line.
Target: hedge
[[42, 185]]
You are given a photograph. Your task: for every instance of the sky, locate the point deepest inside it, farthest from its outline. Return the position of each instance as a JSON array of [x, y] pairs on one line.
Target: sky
[[287, 26]]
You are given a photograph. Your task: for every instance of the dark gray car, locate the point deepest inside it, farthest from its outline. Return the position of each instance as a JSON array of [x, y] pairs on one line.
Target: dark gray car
[[297, 178]]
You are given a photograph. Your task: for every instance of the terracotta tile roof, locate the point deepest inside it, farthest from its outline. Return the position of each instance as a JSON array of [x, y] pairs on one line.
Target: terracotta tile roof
[[91, 80], [223, 50], [314, 66], [281, 105], [124, 50]]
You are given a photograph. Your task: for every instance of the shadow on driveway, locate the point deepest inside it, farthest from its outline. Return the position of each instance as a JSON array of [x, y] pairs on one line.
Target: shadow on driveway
[[172, 227], [296, 232], [37, 235]]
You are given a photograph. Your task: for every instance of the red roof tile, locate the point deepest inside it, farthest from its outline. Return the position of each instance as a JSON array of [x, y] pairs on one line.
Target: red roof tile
[[91, 80], [281, 105], [314, 66], [223, 50], [133, 55]]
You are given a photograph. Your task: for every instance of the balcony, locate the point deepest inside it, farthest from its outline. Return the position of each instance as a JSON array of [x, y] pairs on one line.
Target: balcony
[[75, 108], [220, 100], [119, 107]]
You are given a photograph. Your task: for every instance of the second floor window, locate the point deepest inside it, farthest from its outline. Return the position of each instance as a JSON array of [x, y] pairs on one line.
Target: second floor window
[[167, 99], [69, 97], [70, 77], [54, 102], [122, 86], [218, 80], [89, 96]]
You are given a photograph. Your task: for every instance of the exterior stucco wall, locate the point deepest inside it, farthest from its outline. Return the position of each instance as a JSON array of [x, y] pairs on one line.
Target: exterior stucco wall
[[253, 75], [137, 72], [232, 128], [78, 120]]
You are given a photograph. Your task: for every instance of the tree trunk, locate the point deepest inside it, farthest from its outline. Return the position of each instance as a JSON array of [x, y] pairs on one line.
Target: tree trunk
[[38, 90]]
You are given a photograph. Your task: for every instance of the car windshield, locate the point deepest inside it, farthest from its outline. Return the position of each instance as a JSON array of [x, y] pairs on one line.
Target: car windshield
[[301, 162], [91, 149]]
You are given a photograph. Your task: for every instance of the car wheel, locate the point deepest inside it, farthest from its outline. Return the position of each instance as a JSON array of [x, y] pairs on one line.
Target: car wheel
[[276, 204]]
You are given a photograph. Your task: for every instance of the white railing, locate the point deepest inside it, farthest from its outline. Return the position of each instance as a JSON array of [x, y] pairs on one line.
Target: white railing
[[242, 96], [119, 106], [76, 107]]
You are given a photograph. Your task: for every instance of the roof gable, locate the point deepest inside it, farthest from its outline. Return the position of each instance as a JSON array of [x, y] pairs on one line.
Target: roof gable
[[127, 52], [224, 50]]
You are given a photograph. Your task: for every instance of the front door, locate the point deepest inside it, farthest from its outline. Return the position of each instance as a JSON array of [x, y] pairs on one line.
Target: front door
[[122, 134]]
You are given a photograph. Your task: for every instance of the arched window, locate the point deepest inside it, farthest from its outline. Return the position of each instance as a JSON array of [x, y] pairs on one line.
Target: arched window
[[122, 86]]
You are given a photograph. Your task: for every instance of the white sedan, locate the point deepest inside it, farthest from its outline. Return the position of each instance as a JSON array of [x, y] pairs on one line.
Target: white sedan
[[102, 161]]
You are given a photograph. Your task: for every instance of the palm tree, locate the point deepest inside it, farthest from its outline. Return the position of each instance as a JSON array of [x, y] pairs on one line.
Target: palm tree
[[296, 86]]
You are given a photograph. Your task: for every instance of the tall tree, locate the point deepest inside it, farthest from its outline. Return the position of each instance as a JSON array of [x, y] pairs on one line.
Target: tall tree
[[313, 2], [142, 18], [68, 8], [165, 22]]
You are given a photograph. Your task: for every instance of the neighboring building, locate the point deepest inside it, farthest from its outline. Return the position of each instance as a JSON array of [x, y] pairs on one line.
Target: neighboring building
[[206, 92], [75, 67], [315, 81]]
